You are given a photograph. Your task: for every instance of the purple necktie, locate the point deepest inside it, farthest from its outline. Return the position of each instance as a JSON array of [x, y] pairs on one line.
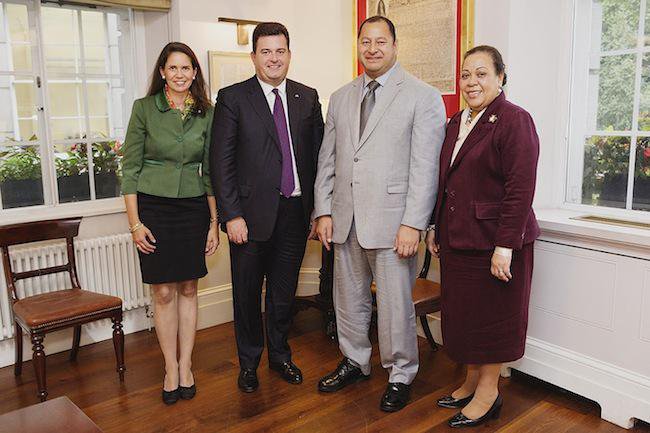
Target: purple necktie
[[287, 183]]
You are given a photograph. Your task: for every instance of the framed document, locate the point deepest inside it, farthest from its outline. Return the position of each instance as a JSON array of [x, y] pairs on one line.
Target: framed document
[[228, 68], [432, 36]]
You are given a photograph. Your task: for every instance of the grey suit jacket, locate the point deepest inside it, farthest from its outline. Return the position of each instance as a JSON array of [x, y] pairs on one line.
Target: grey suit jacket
[[388, 176]]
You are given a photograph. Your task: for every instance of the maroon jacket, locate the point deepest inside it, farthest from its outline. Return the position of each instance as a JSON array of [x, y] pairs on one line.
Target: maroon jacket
[[489, 189]]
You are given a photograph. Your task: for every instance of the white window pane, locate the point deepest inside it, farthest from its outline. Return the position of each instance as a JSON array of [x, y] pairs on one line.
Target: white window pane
[[605, 171], [613, 81], [93, 28], [99, 127], [61, 39], [106, 160], [22, 57], [66, 99], [65, 129], [18, 112], [71, 162], [644, 98], [618, 21], [20, 176], [98, 99], [18, 23], [641, 193], [96, 60]]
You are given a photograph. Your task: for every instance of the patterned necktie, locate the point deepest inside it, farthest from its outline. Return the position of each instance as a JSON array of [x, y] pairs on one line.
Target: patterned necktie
[[367, 105], [287, 183]]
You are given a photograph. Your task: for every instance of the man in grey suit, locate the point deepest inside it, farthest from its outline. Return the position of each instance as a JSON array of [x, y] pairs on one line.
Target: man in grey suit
[[375, 190]]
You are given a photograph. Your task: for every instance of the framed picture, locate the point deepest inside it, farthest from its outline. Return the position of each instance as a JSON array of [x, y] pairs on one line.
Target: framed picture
[[432, 36], [228, 68]]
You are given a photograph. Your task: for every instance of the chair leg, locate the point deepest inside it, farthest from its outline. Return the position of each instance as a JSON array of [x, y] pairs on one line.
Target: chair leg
[[76, 339], [38, 359], [427, 332], [118, 344], [18, 341]]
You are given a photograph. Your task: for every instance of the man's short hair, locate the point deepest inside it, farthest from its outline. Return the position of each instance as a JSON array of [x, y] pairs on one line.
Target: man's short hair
[[376, 19], [269, 29]]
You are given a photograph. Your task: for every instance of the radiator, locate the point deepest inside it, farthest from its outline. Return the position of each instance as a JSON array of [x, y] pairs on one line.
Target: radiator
[[106, 265]]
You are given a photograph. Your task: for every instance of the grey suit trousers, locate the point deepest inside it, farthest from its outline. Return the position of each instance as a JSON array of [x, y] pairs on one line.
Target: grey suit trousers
[[354, 270]]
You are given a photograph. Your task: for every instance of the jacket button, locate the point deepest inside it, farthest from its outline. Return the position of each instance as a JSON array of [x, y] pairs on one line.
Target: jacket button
[[179, 138], [451, 209], [178, 165], [356, 159]]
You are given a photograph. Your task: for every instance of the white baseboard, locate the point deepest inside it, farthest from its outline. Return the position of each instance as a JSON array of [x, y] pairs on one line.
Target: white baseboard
[[622, 395]]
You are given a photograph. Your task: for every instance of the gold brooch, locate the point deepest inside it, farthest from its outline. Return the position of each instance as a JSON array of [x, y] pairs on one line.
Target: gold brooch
[[493, 118]]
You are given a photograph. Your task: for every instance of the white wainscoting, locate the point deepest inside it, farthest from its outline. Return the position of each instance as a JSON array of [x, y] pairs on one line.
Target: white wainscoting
[[589, 322]]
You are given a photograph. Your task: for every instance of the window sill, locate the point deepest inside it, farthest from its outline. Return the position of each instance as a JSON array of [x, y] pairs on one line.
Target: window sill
[[67, 210], [559, 223]]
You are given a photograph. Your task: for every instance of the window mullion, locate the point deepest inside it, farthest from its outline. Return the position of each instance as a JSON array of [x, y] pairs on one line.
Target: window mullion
[[637, 102], [84, 93], [50, 186]]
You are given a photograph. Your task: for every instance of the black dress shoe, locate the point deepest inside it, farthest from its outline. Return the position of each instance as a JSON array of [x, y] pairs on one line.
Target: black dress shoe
[[454, 403], [288, 370], [247, 380], [170, 397], [187, 392], [459, 420], [395, 397], [345, 374]]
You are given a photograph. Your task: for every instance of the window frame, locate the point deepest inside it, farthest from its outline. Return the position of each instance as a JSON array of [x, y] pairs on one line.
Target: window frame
[[52, 208], [579, 109]]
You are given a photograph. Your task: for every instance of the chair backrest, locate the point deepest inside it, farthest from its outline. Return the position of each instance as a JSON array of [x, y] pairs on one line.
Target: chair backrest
[[425, 265], [24, 233]]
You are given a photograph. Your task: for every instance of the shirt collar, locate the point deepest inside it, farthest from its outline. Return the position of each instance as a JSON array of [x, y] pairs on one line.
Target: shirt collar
[[267, 88], [382, 79]]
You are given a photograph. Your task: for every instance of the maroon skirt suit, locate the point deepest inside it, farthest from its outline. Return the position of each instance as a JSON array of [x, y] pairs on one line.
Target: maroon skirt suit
[[485, 200]]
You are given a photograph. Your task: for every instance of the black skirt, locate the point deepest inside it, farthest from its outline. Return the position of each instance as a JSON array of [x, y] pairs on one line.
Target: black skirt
[[180, 226]]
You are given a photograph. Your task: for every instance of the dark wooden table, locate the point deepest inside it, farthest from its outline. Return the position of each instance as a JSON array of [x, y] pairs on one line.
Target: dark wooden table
[[59, 415]]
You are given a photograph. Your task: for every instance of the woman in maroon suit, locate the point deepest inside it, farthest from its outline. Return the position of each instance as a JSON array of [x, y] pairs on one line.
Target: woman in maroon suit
[[484, 233]]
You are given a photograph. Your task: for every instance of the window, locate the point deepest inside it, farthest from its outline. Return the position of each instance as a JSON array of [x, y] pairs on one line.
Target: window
[[65, 86], [609, 160]]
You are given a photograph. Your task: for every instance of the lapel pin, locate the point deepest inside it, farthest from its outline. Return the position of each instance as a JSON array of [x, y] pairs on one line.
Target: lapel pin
[[493, 118]]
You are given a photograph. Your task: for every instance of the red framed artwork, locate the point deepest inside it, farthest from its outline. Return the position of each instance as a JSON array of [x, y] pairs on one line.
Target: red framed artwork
[[432, 35]]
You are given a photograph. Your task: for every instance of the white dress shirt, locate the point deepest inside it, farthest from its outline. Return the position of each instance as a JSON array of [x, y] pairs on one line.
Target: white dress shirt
[[270, 99], [463, 132]]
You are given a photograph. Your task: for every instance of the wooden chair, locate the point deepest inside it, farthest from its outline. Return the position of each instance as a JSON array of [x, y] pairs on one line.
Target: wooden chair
[[48, 312], [426, 298]]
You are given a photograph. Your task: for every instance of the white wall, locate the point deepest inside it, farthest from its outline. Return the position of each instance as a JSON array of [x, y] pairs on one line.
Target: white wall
[[534, 38], [321, 34]]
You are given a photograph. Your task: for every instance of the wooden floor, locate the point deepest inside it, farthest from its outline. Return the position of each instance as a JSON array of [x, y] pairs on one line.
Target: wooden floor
[[135, 406]]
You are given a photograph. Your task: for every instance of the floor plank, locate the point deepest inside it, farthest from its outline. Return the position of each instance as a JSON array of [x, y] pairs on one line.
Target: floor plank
[[531, 406]]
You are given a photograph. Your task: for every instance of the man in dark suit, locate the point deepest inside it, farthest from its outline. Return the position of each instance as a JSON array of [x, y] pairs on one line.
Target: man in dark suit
[[266, 136]]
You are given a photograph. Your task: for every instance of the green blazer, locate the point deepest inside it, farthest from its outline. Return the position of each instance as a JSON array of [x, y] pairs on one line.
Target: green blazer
[[164, 155]]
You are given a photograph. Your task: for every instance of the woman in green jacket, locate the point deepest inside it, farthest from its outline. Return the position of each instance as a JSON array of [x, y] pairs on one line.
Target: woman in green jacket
[[170, 204]]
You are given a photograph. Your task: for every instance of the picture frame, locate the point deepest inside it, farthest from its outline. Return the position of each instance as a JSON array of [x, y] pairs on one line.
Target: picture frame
[[226, 68]]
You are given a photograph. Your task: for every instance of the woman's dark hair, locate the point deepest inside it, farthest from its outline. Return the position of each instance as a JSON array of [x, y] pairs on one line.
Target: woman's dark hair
[[499, 66], [197, 89], [269, 29]]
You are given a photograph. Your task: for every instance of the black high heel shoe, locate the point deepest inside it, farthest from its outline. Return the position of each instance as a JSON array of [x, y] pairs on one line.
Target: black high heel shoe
[[170, 397], [187, 392], [459, 420], [454, 403]]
